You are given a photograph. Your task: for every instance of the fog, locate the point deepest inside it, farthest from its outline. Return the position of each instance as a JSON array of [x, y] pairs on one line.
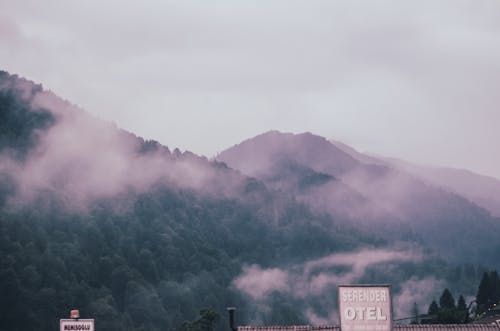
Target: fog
[[80, 159], [318, 279], [326, 177]]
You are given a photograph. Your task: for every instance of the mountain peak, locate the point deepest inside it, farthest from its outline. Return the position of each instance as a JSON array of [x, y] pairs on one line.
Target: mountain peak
[[254, 155]]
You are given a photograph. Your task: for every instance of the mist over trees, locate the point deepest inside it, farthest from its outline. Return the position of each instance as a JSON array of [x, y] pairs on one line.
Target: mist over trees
[[371, 192], [139, 259], [143, 238]]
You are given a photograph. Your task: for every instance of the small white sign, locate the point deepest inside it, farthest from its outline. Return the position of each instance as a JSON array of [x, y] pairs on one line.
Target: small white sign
[[76, 325]]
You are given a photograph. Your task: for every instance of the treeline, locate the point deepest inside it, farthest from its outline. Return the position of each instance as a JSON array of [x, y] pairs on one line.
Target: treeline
[[450, 312]]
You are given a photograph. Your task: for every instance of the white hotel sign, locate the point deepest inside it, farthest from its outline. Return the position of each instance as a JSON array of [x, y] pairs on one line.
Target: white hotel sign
[[365, 308]]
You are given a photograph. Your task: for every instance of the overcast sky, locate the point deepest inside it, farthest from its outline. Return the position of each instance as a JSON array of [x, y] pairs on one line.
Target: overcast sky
[[419, 80]]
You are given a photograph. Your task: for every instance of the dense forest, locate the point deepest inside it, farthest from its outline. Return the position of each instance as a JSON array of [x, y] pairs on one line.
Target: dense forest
[[165, 257]]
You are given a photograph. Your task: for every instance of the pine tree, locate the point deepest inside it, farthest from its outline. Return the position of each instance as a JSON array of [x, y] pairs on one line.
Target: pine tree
[[415, 313], [461, 303], [432, 312], [483, 294], [446, 301], [462, 311], [433, 308], [495, 287]]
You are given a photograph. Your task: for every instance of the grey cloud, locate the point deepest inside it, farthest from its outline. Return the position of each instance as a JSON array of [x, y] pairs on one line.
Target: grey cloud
[[312, 279]]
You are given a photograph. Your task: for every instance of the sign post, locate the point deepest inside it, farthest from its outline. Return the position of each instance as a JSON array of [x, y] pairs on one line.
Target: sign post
[[75, 323], [365, 308]]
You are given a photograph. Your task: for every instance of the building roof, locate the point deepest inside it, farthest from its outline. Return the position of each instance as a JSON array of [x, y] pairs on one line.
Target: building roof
[[289, 328], [492, 315], [411, 327], [448, 327], [488, 320]]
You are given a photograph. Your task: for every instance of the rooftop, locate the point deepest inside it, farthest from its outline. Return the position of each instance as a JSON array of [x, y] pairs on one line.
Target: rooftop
[[411, 327]]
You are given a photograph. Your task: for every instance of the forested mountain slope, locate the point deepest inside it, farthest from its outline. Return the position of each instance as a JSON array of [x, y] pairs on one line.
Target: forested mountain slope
[[134, 235], [480, 189], [373, 193], [140, 237]]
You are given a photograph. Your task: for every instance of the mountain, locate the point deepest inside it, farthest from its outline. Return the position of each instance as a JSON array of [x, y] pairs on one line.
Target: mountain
[[482, 190], [142, 237], [370, 192], [255, 156], [305, 166]]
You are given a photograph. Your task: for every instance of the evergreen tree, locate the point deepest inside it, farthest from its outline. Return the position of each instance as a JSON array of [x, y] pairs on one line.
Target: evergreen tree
[[433, 308], [446, 301], [483, 293], [462, 311], [461, 303], [432, 312], [495, 287], [447, 313], [415, 313]]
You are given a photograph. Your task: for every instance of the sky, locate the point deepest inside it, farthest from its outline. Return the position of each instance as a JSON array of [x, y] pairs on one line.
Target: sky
[[418, 80]]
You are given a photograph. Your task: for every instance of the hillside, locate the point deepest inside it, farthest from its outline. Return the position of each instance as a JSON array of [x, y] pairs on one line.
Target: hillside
[[142, 237], [482, 190], [369, 191], [137, 236]]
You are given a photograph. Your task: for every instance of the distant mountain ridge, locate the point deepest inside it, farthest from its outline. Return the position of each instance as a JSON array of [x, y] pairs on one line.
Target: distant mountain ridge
[[372, 191], [480, 189]]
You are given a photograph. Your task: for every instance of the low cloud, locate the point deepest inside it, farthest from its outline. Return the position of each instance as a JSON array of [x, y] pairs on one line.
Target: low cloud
[[81, 158], [258, 282], [315, 319], [416, 291], [356, 262], [312, 280]]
